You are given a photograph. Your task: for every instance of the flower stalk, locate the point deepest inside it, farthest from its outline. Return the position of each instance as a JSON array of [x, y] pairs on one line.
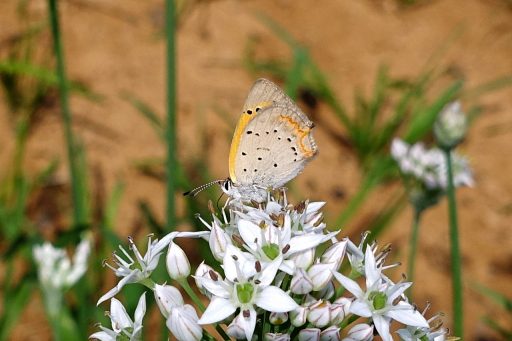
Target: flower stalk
[[455, 255]]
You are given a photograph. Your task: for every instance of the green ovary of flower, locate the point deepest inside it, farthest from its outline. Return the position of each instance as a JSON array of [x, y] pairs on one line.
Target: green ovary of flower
[[271, 250], [378, 299], [244, 292]]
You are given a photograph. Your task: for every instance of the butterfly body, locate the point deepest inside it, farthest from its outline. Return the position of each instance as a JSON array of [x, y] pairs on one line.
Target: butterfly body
[[271, 145]]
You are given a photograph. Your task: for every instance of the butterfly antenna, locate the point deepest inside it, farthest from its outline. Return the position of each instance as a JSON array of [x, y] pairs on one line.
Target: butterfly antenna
[[195, 191]]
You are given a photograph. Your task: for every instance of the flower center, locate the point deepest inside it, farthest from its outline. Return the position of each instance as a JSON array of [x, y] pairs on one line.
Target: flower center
[[378, 299], [271, 250], [244, 292]]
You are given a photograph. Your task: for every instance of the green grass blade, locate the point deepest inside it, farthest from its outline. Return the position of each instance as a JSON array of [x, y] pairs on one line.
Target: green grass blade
[[495, 296], [147, 112], [422, 121], [78, 197], [170, 133]]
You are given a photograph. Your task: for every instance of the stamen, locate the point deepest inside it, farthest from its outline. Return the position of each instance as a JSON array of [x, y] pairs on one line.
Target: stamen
[[286, 248]]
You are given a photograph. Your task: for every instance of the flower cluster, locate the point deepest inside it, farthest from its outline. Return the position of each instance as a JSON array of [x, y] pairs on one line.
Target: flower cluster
[[279, 276], [429, 165], [425, 171], [56, 271]]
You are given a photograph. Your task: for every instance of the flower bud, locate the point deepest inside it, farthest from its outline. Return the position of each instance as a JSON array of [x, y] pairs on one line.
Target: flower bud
[[182, 323], [167, 297], [361, 332], [304, 259], [451, 126], [309, 334], [320, 275], [326, 292], [278, 318], [236, 328], [399, 149], [301, 284], [218, 242], [319, 314], [335, 253], [177, 262], [339, 310], [277, 337], [206, 271], [330, 334], [298, 316]]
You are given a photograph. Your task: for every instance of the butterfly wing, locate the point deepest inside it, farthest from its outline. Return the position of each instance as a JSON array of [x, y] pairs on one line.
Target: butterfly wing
[[268, 108]]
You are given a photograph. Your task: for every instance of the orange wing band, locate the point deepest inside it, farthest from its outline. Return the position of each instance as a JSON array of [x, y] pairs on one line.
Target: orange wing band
[[301, 133]]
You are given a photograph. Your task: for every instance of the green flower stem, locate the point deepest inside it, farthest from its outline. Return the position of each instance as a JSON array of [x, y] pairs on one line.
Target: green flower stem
[[184, 284], [413, 246], [170, 128], [455, 251], [79, 211], [191, 293]]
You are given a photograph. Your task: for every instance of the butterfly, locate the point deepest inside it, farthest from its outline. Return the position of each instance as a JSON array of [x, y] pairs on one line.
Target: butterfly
[[272, 144]]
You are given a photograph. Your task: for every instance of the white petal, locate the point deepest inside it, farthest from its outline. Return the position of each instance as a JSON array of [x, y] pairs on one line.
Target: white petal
[[166, 297], [371, 272], [360, 308], [397, 290], [140, 311], [288, 266], [320, 274], [269, 272], [409, 317], [349, 284], [274, 299], [119, 316], [249, 232], [314, 206], [183, 324], [306, 241], [216, 288], [218, 242], [248, 323], [104, 336], [132, 277], [218, 310], [382, 326]]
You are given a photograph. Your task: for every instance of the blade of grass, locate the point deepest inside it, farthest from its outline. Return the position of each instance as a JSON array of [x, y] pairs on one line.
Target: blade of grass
[[495, 296], [79, 212], [170, 132]]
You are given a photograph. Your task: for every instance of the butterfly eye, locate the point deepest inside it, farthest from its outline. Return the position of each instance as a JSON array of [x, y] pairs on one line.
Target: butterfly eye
[[226, 185]]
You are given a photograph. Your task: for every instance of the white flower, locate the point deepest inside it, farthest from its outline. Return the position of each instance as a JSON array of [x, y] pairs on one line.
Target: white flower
[[268, 242], [56, 271], [239, 291], [378, 300], [122, 325], [434, 333], [133, 271]]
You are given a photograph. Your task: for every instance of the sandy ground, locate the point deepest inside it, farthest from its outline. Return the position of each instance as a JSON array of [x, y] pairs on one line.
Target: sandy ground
[[115, 46]]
